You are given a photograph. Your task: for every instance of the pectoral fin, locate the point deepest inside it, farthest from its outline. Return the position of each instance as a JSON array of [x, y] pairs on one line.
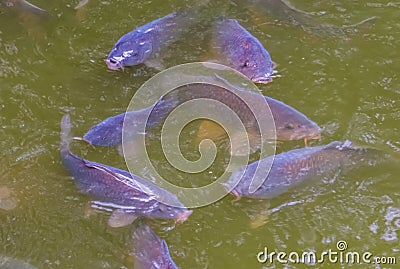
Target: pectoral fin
[[120, 218]]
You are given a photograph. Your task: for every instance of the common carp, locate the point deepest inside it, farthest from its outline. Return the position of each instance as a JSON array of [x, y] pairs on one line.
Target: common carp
[[296, 166], [145, 42], [149, 250], [130, 195], [290, 124], [239, 49]]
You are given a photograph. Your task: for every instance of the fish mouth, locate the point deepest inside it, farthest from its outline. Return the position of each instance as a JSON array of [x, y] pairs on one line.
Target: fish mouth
[[306, 135], [113, 64], [184, 216], [316, 134], [262, 79], [231, 191]]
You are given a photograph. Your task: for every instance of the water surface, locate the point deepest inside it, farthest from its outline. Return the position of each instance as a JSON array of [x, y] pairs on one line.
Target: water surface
[[344, 79]]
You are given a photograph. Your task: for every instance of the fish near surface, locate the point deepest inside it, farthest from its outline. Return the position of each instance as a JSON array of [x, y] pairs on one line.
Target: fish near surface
[[29, 16], [23, 6], [290, 124], [109, 131], [149, 250], [243, 52], [296, 166], [145, 42], [131, 195], [310, 22]]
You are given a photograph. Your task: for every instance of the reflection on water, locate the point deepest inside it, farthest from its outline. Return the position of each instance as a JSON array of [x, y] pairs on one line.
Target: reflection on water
[[348, 83]]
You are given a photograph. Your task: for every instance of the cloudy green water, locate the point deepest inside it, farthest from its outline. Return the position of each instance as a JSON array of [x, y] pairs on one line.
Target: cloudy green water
[[347, 81]]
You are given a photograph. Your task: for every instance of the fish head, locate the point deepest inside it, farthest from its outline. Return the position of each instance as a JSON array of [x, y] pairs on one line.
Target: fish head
[[297, 130], [128, 52], [258, 72], [179, 214], [255, 63], [107, 132], [290, 124]]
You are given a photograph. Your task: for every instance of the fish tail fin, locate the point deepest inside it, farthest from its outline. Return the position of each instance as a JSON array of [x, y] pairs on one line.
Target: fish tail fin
[[65, 133]]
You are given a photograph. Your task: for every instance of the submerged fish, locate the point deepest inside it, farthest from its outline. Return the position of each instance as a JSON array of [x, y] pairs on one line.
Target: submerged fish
[[290, 124], [22, 6], [149, 250], [283, 10], [240, 50], [131, 195], [145, 42], [296, 166]]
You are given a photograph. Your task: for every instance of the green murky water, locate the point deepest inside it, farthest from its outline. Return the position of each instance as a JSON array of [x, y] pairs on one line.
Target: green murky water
[[347, 81]]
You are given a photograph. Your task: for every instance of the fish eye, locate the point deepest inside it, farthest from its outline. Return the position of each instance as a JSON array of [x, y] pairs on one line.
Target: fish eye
[[246, 64], [289, 126]]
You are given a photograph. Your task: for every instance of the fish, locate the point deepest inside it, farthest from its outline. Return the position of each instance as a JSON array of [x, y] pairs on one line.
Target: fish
[[290, 124], [22, 6], [293, 167], [143, 44], [130, 195], [149, 251], [239, 49], [310, 22]]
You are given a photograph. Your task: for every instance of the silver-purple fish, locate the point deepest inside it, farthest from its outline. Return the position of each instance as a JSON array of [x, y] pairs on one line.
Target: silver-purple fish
[[145, 42], [239, 49], [149, 250], [129, 195], [296, 166]]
